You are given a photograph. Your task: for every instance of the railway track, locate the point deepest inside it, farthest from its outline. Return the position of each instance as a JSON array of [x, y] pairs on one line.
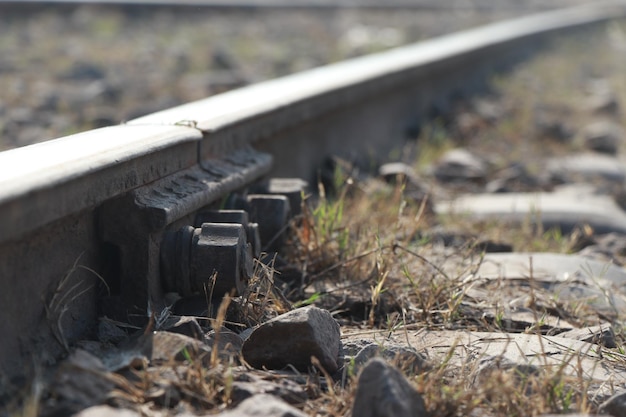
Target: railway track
[[117, 208]]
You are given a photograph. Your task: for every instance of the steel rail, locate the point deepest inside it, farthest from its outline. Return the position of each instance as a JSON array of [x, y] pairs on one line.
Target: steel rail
[[97, 205]]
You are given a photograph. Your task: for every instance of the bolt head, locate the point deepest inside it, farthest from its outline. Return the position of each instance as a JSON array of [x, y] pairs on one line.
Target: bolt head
[[219, 255]]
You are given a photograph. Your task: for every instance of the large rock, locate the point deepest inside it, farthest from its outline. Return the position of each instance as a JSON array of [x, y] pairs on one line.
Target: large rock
[[383, 391], [293, 338]]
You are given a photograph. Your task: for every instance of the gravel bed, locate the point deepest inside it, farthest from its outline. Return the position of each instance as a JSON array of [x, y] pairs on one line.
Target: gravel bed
[[75, 68]]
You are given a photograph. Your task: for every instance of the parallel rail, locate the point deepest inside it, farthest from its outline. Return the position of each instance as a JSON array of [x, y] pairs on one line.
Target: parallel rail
[[98, 204]]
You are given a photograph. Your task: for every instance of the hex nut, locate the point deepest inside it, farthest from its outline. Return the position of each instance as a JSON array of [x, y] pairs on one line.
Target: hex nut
[[220, 251], [190, 257]]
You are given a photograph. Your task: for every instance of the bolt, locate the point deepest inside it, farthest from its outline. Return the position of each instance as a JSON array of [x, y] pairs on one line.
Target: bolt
[[220, 250], [233, 216], [193, 257]]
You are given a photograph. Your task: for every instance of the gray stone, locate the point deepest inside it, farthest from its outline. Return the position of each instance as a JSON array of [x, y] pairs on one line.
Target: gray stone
[[263, 405], [603, 136], [614, 406], [293, 338], [460, 165], [383, 391]]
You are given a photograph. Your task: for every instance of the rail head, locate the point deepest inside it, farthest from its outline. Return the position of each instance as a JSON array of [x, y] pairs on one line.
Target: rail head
[[50, 180]]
